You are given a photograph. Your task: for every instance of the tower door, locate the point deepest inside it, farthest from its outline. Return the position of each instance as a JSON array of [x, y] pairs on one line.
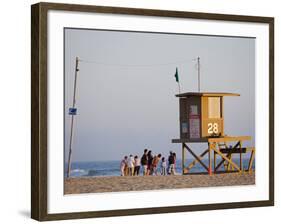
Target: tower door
[[212, 120]]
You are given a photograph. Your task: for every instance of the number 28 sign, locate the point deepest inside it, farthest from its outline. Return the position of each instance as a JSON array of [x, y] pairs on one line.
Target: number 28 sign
[[213, 128]]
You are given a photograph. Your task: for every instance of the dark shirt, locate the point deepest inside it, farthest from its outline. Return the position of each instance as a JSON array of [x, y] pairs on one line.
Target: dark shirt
[[150, 159], [171, 159], [144, 160]]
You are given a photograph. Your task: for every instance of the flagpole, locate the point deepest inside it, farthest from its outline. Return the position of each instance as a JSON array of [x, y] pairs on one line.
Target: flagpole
[[72, 117], [179, 87], [198, 70]]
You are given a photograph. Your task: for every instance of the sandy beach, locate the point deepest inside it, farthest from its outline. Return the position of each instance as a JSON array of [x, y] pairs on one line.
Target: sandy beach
[[138, 183]]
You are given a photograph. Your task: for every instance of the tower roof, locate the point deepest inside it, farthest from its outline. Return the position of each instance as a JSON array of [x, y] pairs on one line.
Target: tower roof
[[206, 94]]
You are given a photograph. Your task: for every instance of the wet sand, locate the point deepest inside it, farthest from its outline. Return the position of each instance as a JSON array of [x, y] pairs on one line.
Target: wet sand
[[139, 183]]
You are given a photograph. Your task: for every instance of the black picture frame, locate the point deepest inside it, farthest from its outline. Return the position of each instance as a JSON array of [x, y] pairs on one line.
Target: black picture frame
[[39, 106]]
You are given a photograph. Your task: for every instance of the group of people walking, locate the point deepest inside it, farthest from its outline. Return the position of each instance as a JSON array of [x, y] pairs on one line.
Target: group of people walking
[[130, 166]]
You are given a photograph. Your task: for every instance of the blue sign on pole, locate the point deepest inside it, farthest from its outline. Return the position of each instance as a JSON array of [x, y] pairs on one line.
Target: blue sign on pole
[[72, 111]]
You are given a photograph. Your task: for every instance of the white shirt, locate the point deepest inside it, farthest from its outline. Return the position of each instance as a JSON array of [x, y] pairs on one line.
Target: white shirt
[[131, 162], [137, 162]]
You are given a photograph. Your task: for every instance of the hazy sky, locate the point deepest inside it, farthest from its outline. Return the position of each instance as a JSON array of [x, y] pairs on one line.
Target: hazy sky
[[126, 88]]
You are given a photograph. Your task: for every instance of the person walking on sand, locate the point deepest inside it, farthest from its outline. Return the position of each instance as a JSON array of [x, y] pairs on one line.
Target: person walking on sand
[[171, 161], [123, 165], [137, 166], [163, 166], [149, 162], [131, 165], [174, 166], [144, 162], [155, 161]]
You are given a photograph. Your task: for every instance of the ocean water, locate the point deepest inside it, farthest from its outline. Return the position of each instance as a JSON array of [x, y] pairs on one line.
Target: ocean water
[[112, 168]]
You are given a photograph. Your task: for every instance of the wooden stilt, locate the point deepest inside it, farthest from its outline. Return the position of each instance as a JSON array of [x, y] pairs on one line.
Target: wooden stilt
[[183, 158], [241, 159], [215, 161], [251, 160], [210, 160]]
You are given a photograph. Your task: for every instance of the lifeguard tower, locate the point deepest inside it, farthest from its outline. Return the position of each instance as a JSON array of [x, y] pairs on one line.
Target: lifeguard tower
[[202, 120]]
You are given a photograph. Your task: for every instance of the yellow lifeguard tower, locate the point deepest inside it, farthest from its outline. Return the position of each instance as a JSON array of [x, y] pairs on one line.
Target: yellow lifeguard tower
[[202, 120]]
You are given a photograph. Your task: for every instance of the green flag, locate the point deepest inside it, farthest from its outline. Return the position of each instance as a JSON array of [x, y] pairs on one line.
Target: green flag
[[176, 75]]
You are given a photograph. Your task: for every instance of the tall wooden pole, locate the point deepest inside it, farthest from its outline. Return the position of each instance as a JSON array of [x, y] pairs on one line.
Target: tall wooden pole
[[198, 69], [72, 117]]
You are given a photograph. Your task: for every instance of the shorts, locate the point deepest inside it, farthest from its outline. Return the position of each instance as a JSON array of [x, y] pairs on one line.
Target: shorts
[[144, 168]]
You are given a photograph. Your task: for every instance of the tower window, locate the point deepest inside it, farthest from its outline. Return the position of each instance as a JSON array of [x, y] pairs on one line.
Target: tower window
[[214, 107]]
